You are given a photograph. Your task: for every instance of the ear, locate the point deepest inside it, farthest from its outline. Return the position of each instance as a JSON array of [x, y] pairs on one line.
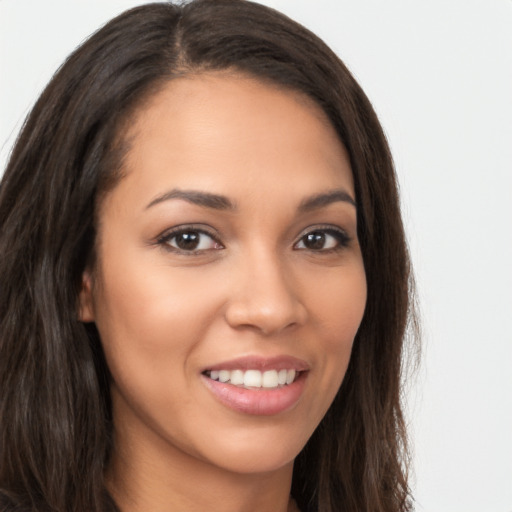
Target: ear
[[86, 309]]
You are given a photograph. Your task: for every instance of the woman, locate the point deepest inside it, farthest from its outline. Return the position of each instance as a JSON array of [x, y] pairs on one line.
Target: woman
[[205, 283]]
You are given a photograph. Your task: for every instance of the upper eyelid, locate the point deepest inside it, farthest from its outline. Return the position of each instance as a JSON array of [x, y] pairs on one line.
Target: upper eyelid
[[200, 228], [323, 227]]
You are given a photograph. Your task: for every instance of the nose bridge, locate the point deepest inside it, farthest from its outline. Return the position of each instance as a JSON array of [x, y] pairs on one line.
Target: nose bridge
[[265, 296]]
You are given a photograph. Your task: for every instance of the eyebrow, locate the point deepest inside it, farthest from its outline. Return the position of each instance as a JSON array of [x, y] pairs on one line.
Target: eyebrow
[[218, 202], [325, 199], [204, 199]]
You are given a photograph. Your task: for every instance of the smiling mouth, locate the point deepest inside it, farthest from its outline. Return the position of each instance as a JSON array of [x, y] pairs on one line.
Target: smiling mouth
[[255, 379]]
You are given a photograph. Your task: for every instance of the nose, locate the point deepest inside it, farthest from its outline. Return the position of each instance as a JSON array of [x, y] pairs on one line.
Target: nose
[[265, 297]]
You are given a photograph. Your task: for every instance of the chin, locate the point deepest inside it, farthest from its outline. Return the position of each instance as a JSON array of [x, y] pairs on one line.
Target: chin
[[263, 450]]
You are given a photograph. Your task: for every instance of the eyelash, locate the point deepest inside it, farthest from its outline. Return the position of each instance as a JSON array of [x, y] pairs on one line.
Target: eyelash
[[165, 239], [341, 237]]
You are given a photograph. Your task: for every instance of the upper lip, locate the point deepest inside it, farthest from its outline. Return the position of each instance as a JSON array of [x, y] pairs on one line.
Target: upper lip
[[253, 362]]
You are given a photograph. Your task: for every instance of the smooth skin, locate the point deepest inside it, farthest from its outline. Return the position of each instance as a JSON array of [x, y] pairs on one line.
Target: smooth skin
[[271, 266]]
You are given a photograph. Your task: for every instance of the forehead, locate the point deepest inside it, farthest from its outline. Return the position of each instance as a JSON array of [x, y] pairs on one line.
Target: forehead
[[218, 130]]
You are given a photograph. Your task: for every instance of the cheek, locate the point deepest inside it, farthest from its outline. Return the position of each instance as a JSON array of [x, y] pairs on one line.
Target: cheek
[[140, 290], [339, 305], [339, 309], [151, 324], [150, 317]]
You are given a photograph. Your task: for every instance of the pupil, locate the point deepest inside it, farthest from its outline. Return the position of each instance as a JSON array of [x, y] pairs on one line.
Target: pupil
[[187, 241], [315, 240]]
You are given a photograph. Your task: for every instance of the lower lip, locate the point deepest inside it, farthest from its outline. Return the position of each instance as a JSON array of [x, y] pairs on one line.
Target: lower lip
[[260, 402]]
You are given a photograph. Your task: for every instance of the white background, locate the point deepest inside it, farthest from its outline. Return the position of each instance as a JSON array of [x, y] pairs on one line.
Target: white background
[[439, 73]]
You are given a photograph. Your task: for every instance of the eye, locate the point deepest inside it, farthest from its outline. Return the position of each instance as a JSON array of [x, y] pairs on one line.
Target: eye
[[189, 240], [323, 239]]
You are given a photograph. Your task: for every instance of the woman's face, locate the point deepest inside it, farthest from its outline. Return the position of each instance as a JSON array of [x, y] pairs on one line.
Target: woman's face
[[229, 282]]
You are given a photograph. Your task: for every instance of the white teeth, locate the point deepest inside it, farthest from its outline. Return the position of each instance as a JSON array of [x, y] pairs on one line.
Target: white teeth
[[269, 379], [224, 375], [252, 379], [290, 376], [255, 378], [237, 377]]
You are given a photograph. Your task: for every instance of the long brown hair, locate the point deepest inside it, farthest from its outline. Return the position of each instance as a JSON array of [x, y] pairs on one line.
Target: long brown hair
[[56, 425]]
